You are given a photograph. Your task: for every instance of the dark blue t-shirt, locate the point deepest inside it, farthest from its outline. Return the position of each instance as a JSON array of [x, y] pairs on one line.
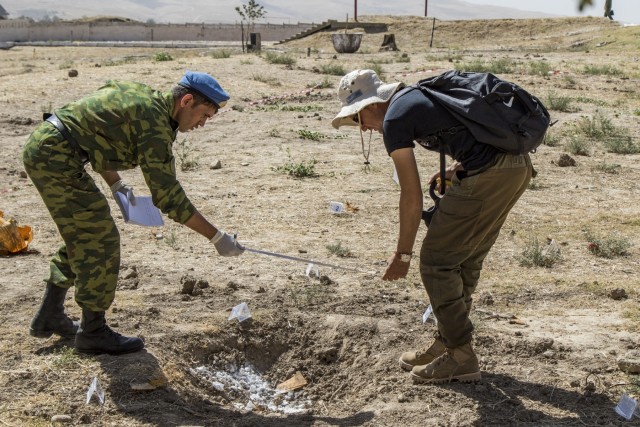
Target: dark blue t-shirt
[[414, 116]]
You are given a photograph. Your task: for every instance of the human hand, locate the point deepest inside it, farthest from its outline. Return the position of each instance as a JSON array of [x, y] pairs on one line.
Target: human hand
[[122, 188], [396, 268], [227, 245]]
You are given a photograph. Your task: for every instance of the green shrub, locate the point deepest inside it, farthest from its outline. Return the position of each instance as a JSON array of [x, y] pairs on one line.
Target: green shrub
[[607, 247], [162, 56], [324, 84], [602, 70], [184, 153], [579, 146], [339, 250], [309, 134], [535, 254], [610, 168], [298, 170], [221, 53], [622, 143], [281, 59], [499, 66], [539, 68], [551, 139], [376, 67], [596, 126], [272, 81], [333, 69], [559, 103]]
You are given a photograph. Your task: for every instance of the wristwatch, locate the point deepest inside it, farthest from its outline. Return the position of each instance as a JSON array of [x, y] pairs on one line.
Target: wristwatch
[[404, 257]]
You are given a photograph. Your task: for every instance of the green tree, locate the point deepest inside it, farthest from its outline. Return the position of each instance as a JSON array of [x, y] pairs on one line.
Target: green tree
[[250, 13]]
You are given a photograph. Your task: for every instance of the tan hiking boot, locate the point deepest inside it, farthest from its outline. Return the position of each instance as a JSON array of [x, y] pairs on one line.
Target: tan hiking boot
[[409, 359], [456, 364]]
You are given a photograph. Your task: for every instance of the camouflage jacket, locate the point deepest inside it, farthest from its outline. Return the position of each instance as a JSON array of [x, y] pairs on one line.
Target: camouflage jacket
[[126, 124]]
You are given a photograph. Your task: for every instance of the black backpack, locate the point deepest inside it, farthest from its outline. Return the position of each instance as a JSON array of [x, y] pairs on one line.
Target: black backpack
[[496, 112]]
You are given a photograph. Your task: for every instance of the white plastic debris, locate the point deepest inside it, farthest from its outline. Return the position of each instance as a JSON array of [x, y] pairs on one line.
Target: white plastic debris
[[395, 176], [312, 266], [336, 207], [240, 312], [95, 388], [248, 391], [627, 407], [428, 312]]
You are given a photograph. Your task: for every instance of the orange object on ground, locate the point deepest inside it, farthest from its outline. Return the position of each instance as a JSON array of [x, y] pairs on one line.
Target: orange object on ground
[[13, 239]]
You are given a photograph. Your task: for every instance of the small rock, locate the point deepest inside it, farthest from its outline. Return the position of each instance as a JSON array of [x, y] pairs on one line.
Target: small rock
[[549, 354], [130, 273], [566, 160], [61, 419], [630, 362], [542, 345], [73, 73], [232, 285], [202, 284], [618, 294], [486, 298], [23, 174], [216, 165], [244, 164], [325, 280], [402, 398], [575, 383], [188, 284]]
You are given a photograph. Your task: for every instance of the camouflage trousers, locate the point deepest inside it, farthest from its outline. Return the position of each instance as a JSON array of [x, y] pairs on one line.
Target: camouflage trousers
[[462, 231], [89, 259]]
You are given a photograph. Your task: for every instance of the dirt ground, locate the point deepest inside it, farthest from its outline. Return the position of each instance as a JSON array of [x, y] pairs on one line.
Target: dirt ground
[[552, 340]]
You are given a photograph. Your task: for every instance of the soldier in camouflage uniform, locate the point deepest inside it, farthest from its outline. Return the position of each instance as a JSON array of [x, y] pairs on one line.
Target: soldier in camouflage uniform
[[121, 126]]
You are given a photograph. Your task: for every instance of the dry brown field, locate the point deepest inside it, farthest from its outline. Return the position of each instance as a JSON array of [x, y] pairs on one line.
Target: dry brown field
[[555, 340]]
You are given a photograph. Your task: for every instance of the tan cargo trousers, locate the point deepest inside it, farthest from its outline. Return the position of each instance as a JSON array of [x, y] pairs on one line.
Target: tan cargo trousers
[[462, 231]]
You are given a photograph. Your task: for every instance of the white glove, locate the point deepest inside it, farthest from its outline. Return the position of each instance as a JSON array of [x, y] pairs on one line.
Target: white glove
[[122, 188], [227, 245]]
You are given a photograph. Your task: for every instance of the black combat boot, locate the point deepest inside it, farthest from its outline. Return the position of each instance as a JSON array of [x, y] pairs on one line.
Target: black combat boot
[[51, 318], [95, 337]]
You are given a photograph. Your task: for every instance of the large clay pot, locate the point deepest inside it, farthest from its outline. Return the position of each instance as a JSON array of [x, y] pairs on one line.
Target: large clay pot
[[346, 43]]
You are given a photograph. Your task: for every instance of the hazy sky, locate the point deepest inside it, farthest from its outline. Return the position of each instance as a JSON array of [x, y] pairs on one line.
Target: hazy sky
[[625, 10]]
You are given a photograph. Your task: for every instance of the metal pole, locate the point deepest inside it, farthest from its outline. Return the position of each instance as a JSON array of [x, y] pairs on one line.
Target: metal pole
[[355, 10], [426, 2]]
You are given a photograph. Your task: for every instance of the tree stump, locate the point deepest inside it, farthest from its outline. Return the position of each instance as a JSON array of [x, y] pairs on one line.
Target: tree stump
[[388, 43]]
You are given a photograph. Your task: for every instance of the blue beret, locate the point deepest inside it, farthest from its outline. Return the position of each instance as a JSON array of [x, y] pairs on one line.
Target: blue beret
[[206, 86]]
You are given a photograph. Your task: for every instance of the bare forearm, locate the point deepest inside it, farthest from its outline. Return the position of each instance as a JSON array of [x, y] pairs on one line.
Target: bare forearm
[[199, 224], [110, 177], [410, 215]]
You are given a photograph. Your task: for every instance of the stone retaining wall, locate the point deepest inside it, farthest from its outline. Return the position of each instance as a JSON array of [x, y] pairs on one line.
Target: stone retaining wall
[[15, 30]]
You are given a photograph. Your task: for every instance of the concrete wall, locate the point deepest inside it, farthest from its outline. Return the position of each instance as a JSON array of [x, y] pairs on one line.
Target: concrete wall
[[15, 30]]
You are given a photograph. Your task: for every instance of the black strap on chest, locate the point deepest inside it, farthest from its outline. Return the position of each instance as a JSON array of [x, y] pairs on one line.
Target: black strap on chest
[[55, 121]]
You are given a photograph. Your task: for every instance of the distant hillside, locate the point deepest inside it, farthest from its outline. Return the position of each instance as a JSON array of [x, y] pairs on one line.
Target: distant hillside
[[287, 11], [413, 34]]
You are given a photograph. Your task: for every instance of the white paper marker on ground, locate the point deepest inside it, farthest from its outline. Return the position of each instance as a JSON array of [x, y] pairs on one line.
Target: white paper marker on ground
[[395, 176], [428, 313], [627, 407], [95, 388], [336, 207], [240, 312], [313, 267]]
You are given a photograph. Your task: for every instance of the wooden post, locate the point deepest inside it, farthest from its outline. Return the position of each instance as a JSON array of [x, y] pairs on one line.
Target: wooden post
[[242, 31], [433, 27]]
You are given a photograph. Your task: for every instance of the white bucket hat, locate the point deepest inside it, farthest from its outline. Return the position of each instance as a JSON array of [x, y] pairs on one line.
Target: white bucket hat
[[358, 89]]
